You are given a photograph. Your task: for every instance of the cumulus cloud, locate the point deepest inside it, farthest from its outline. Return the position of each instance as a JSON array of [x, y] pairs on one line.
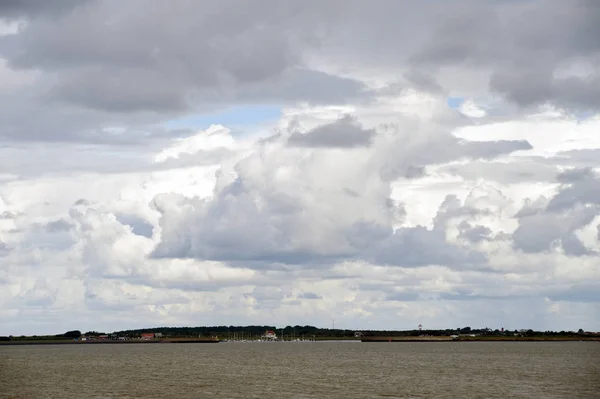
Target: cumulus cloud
[[280, 207], [550, 222]]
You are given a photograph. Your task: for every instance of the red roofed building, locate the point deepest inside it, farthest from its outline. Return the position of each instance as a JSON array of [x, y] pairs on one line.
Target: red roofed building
[[147, 336], [269, 335]]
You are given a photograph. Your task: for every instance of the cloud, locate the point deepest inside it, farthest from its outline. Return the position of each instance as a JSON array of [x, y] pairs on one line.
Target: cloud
[[93, 68], [521, 50], [522, 170], [309, 295], [545, 223], [475, 233], [584, 189], [413, 149], [124, 65], [344, 133], [295, 217], [272, 218], [418, 246], [28, 8]]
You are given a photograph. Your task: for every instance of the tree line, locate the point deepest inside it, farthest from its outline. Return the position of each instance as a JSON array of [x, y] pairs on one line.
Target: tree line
[[312, 331], [292, 331]]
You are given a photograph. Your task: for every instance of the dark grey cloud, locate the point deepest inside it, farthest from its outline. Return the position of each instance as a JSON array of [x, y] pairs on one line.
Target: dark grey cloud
[[575, 175], [7, 215], [515, 48], [120, 91], [414, 172], [584, 189], [10, 9], [4, 248], [573, 246], [413, 150], [452, 207], [423, 81], [138, 225], [523, 46], [82, 202], [125, 64], [546, 230], [346, 132], [63, 122], [516, 171], [295, 85], [584, 158], [581, 292], [476, 233], [103, 63], [531, 208], [419, 246], [533, 88], [60, 225], [551, 223], [99, 64], [493, 149], [309, 295]]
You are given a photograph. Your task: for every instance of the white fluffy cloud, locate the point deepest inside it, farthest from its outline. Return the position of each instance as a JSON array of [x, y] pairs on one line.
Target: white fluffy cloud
[[369, 200]]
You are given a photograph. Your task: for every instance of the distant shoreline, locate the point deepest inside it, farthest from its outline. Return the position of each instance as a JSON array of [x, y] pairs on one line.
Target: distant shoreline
[[478, 339], [370, 339], [109, 341]]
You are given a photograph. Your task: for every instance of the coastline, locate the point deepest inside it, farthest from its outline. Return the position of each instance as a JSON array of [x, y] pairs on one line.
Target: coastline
[[109, 341], [373, 339], [478, 339]]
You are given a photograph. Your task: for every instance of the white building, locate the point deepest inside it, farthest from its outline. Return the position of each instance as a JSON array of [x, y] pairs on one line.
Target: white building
[[269, 335]]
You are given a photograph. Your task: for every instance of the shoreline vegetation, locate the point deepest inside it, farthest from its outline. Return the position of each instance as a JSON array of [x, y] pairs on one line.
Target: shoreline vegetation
[[477, 339], [217, 334], [375, 339], [110, 341]]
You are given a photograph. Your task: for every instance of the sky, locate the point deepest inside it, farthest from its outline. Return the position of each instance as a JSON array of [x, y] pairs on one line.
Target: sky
[[385, 164]]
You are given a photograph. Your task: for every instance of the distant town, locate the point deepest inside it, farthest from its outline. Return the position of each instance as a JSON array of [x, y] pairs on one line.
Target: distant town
[[297, 333]]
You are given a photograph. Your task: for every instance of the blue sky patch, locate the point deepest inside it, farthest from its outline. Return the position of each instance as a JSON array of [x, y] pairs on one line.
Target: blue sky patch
[[455, 102], [582, 116], [237, 116]]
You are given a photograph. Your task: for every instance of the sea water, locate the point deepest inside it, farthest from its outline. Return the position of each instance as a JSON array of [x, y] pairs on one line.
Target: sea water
[[303, 370]]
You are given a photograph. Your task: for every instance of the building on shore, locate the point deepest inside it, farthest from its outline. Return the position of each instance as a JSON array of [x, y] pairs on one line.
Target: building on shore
[[269, 335], [147, 336]]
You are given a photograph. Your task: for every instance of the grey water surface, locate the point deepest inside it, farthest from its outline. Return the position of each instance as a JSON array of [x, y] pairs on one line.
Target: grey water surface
[[303, 370]]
